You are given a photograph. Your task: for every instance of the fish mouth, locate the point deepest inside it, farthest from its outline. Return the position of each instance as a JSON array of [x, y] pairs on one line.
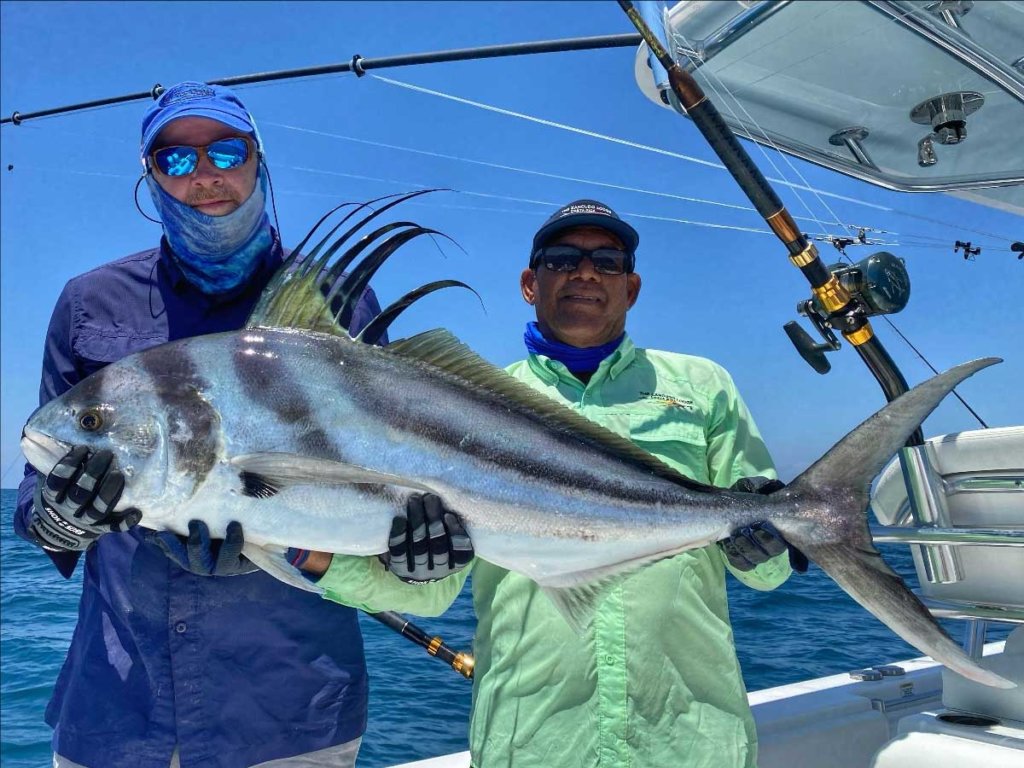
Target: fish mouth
[[42, 451]]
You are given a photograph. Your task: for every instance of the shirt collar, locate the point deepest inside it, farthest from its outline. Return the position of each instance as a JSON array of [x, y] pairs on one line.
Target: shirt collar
[[551, 371]]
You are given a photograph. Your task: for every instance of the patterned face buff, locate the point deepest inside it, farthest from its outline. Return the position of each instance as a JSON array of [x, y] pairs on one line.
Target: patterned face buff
[[216, 253]]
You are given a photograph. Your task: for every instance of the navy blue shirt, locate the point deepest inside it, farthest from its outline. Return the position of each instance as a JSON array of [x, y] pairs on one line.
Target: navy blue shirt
[[234, 670]]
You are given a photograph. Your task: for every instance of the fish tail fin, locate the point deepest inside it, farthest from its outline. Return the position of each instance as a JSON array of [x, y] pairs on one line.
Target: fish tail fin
[[829, 524]]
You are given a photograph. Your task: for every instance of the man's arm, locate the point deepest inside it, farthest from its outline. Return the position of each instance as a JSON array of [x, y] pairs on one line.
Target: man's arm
[[60, 373], [736, 451], [365, 583]]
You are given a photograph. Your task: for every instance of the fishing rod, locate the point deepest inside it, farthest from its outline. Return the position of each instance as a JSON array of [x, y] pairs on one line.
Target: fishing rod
[[460, 661], [359, 66], [843, 309]]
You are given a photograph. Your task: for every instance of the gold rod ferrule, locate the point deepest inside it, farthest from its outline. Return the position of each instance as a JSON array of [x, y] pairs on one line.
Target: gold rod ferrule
[[435, 643]]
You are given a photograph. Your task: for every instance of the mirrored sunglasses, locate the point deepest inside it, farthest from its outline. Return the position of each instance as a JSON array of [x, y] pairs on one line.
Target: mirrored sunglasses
[[183, 160], [567, 258]]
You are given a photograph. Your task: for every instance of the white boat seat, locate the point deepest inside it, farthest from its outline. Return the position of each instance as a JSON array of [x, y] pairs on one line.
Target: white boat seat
[[982, 472]]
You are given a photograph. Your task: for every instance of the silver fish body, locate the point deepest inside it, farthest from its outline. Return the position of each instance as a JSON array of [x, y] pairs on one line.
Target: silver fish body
[[313, 441]]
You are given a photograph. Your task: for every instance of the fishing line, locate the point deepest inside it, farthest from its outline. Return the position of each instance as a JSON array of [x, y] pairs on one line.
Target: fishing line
[[593, 134], [515, 169], [605, 137], [548, 203], [17, 460], [729, 99]]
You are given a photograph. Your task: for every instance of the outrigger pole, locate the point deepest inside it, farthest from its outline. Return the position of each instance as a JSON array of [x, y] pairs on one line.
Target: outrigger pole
[[360, 66], [846, 312]]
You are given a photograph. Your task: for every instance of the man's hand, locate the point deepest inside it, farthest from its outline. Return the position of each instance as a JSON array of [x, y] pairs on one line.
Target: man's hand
[[748, 547], [204, 556], [428, 542], [75, 504]]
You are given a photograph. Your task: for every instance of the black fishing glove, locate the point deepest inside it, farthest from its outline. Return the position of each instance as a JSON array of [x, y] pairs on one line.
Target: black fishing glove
[[74, 504], [428, 542], [203, 556], [757, 543]]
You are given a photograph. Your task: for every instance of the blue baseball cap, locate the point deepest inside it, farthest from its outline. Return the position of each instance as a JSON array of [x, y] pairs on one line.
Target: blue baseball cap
[[193, 99], [586, 213]]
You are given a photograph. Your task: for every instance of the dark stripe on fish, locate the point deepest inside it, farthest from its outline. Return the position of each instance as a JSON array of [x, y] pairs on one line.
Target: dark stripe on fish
[[193, 424], [407, 403], [267, 381]]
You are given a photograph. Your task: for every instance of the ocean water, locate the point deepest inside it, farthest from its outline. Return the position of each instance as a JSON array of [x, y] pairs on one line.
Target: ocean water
[[418, 706]]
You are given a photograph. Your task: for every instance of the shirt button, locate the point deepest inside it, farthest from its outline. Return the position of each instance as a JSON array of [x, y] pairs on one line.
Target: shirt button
[[609, 659], [180, 627]]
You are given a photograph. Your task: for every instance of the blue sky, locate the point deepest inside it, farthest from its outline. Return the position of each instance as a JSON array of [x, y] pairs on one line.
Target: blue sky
[[722, 293]]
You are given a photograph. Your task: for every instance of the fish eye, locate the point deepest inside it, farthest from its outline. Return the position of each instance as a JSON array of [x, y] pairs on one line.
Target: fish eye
[[90, 420]]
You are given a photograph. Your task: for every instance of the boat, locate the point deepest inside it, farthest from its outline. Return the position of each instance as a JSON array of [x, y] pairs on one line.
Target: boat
[[807, 78]]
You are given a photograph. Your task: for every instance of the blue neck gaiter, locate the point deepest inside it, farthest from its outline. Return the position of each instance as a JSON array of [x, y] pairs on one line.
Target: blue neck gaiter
[[576, 359], [216, 253]]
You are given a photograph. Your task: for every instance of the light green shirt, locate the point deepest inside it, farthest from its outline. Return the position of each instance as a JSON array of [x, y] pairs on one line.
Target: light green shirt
[[656, 682]]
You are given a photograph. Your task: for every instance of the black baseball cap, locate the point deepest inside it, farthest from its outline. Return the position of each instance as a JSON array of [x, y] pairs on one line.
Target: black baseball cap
[[586, 213]]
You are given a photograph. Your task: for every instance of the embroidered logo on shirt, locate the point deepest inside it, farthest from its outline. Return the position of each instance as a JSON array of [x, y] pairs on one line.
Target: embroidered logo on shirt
[[668, 400]]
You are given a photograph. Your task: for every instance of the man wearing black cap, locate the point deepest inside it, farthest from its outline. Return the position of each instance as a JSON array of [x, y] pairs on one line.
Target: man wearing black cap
[[656, 681], [184, 653]]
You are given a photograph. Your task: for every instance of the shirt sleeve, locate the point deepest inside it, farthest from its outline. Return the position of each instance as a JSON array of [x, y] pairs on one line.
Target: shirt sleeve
[[364, 583], [735, 451], [60, 373]]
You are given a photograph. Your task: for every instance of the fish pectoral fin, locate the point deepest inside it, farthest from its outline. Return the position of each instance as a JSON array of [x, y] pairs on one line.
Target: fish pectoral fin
[[265, 474], [577, 595], [273, 561], [578, 604]]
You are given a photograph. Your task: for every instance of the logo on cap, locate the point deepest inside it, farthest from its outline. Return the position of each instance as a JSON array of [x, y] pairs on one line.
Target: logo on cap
[[182, 93], [577, 208]]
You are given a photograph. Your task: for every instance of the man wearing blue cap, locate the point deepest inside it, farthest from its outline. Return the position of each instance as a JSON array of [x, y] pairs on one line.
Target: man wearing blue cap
[[184, 653], [655, 682]]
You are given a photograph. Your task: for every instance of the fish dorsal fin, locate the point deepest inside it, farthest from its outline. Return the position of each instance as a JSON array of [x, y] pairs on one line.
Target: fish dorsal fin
[[294, 299], [441, 350], [314, 292]]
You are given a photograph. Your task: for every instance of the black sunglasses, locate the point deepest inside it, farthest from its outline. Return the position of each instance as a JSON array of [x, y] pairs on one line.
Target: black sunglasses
[[567, 258]]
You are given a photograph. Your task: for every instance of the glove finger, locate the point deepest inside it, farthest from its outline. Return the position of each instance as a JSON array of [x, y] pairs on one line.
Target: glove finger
[[109, 493], [418, 542], [769, 540], [81, 493], [64, 474], [125, 519], [461, 545], [200, 556], [732, 552], [398, 539], [798, 560], [437, 550], [173, 547], [748, 547], [230, 554]]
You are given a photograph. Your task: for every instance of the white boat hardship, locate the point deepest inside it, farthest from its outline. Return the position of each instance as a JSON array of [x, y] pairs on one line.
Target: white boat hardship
[[892, 104]]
